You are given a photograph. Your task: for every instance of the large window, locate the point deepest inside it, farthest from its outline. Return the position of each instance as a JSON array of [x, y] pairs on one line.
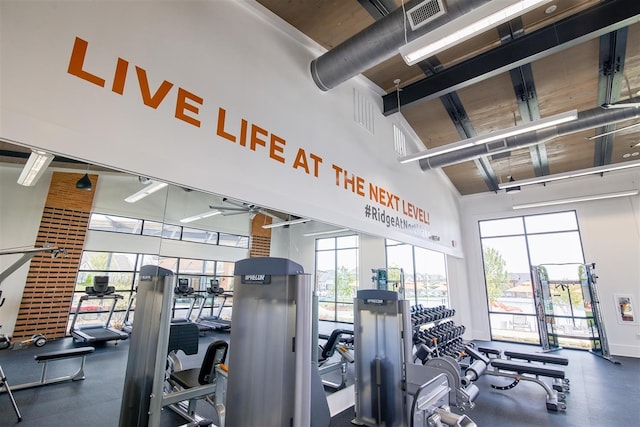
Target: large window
[[425, 273], [336, 277], [122, 270], [120, 224], [510, 247]]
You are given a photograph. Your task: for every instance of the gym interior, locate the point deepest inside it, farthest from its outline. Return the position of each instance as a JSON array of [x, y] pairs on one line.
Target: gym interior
[[187, 238]]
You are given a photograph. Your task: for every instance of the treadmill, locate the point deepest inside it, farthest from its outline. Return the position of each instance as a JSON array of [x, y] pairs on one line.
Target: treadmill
[[97, 332], [215, 292], [183, 290]]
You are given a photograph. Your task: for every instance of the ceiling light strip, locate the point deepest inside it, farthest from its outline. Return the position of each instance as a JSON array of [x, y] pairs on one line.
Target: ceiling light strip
[[573, 174], [152, 188], [322, 233], [200, 216], [37, 163], [283, 223], [493, 136], [614, 131], [576, 199], [489, 15]]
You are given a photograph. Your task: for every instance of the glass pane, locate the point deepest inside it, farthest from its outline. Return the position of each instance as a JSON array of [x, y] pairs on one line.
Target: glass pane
[[107, 261], [344, 313], [199, 236], [114, 223], [401, 256], [325, 275], [152, 228], [562, 221], [226, 283], [347, 274], [169, 263], [501, 227], [147, 259], [171, 231], [327, 243], [555, 248], [327, 311], [431, 278], [191, 266], [514, 327], [347, 242], [224, 268], [507, 276], [233, 240]]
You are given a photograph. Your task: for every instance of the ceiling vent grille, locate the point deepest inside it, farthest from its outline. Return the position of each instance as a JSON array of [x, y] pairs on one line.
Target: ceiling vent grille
[[425, 12], [399, 141], [362, 111]]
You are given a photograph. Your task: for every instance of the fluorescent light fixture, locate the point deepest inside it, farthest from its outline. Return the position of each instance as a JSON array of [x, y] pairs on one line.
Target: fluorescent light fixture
[[493, 136], [36, 164], [283, 223], [322, 233], [576, 199], [487, 16], [200, 216], [150, 189], [614, 131], [573, 174], [622, 105]]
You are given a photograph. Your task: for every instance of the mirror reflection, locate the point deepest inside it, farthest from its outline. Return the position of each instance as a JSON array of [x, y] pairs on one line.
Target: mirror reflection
[[133, 220]]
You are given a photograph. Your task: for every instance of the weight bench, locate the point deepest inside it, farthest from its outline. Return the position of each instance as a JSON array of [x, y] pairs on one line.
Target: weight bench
[[52, 356], [544, 358], [489, 351], [529, 372]]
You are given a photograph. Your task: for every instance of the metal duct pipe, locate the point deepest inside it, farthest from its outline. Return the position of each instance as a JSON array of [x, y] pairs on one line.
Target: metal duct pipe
[[378, 42], [589, 119]]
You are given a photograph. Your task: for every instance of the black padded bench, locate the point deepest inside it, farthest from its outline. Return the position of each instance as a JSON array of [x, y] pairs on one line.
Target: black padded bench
[[51, 356], [489, 351], [527, 368], [544, 358], [63, 354], [526, 371]]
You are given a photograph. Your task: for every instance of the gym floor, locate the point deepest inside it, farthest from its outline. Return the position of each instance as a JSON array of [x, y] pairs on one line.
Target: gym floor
[[602, 394]]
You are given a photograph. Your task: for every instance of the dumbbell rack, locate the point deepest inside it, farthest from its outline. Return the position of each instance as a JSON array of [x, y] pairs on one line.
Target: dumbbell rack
[[434, 334]]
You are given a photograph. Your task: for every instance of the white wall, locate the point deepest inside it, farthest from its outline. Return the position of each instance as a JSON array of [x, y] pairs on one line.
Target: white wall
[[610, 232], [228, 57]]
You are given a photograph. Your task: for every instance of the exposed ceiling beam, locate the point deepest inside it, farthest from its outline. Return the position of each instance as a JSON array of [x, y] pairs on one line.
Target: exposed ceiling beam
[[611, 71], [458, 116], [526, 95], [451, 102], [378, 8], [596, 21]]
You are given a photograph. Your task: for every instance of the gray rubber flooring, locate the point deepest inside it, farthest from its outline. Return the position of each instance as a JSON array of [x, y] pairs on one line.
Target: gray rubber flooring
[[602, 394]]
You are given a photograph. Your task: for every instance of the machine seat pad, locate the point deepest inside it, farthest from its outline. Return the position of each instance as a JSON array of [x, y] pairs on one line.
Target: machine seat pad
[[187, 378], [544, 358], [527, 368], [184, 336], [62, 354]]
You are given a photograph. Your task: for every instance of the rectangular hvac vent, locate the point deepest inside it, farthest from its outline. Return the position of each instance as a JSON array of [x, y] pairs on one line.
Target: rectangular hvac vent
[[399, 141], [362, 111], [425, 12], [497, 145]]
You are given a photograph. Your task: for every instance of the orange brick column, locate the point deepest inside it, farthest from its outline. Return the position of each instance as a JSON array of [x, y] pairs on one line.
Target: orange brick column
[[50, 283], [260, 237]]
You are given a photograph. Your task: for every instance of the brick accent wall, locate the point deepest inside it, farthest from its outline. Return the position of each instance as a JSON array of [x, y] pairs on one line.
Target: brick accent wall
[[260, 237], [50, 282]]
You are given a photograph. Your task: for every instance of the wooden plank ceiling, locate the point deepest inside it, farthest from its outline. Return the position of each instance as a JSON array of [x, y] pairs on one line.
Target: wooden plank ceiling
[[572, 78]]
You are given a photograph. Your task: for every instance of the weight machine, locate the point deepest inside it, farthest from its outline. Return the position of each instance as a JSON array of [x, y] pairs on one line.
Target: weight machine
[[547, 317], [390, 390]]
